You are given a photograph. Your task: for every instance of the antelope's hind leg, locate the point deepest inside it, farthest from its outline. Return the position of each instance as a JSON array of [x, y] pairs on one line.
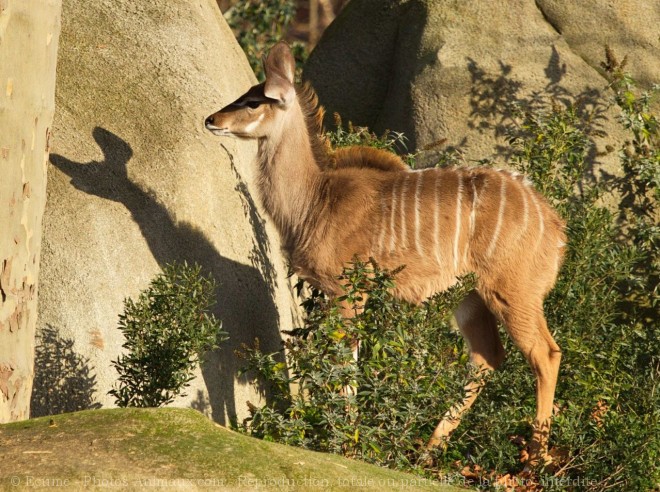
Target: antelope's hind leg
[[479, 328], [544, 356], [528, 329]]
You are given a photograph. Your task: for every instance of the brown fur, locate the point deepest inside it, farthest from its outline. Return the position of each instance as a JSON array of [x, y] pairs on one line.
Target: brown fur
[[330, 207], [368, 157]]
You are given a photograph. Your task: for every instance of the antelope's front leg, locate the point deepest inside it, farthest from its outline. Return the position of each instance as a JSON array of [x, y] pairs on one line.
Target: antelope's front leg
[[349, 311]]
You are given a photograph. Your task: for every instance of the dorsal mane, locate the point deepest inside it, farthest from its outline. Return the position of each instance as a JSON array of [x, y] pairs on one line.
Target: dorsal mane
[[368, 157], [354, 156], [313, 114]]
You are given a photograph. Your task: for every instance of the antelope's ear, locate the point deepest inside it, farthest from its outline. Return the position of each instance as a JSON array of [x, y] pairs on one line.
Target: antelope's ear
[[280, 68]]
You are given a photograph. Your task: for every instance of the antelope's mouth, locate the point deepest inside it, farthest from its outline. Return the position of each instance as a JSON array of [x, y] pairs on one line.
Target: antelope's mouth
[[225, 132], [220, 132], [216, 130]]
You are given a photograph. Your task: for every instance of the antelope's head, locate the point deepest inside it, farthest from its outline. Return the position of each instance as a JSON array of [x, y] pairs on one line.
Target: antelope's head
[[261, 110]]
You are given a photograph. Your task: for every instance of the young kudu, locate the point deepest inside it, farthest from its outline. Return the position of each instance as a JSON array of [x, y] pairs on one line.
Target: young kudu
[[331, 206]]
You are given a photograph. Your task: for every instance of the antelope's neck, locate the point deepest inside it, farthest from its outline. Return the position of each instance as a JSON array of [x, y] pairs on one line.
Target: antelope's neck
[[289, 177]]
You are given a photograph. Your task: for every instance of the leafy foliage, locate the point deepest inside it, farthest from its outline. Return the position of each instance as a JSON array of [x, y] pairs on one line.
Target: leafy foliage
[[258, 25], [639, 189], [396, 397], [167, 330]]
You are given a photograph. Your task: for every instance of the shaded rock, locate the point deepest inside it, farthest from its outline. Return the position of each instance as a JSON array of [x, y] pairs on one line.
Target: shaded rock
[[135, 182], [450, 72]]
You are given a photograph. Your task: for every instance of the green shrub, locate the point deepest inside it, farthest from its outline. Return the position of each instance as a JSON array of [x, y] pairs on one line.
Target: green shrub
[[258, 25], [167, 330], [399, 397], [603, 313]]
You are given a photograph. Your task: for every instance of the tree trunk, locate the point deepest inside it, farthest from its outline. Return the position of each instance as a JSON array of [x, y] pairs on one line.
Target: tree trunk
[[29, 34]]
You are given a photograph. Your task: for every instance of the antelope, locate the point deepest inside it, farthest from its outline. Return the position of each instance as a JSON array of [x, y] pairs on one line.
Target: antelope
[[330, 207]]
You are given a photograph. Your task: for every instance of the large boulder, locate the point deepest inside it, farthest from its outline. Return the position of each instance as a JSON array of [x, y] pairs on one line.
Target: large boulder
[[135, 182], [447, 71]]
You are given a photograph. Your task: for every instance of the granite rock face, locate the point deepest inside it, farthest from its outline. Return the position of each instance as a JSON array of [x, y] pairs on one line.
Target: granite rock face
[[135, 182], [449, 71]]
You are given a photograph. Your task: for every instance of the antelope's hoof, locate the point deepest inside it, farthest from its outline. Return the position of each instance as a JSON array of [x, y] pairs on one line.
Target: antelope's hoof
[[425, 459], [537, 461], [437, 443]]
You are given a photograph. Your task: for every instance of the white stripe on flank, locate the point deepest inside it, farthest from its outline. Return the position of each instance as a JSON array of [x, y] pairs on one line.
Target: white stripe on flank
[[436, 222], [404, 232], [418, 244], [473, 212], [457, 236], [473, 218], [392, 212], [541, 224], [500, 216], [383, 225], [523, 192]]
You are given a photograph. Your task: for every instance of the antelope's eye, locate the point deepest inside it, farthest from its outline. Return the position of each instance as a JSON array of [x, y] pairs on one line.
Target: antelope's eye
[[253, 104]]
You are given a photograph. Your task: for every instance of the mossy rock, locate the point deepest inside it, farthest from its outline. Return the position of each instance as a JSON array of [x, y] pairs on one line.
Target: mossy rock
[[181, 449]]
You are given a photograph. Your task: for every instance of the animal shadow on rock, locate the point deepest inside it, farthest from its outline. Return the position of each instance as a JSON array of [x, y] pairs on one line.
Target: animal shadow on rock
[[244, 293]]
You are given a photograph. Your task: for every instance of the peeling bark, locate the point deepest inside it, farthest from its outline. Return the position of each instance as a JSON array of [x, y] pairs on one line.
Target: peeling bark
[[29, 34]]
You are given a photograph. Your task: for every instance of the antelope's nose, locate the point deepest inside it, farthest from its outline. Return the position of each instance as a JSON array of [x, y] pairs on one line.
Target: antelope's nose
[[209, 121]]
